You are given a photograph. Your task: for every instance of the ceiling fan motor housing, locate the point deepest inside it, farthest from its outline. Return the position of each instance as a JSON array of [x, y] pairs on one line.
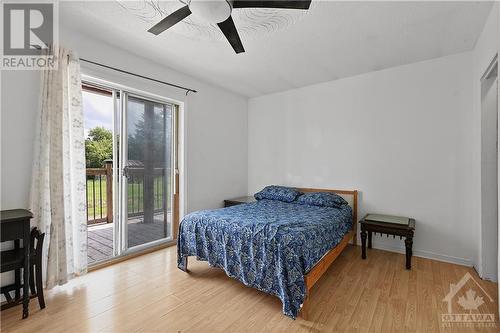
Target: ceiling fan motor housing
[[211, 11]]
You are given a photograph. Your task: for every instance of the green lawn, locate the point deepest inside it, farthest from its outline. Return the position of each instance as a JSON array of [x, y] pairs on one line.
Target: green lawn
[[97, 209]]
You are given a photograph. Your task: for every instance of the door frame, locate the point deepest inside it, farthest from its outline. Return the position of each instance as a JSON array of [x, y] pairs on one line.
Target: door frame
[[484, 272], [120, 251]]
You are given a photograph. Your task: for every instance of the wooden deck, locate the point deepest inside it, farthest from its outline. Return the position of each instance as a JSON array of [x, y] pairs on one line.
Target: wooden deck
[[100, 237]]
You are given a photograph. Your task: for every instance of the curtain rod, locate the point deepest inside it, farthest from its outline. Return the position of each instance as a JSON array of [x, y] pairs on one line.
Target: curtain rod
[[141, 76]]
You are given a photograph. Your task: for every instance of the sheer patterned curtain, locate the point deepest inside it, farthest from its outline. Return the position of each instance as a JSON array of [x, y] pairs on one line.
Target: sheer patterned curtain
[[58, 182]]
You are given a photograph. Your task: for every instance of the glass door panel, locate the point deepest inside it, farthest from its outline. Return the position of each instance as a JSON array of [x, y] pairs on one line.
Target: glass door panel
[[148, 171]]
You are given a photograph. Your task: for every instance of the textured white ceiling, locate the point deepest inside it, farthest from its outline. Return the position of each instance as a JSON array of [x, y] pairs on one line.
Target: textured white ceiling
[[333, 40]]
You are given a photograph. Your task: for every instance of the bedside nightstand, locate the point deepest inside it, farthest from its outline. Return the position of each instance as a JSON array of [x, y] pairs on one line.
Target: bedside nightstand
[[238, 201], [389, 225]]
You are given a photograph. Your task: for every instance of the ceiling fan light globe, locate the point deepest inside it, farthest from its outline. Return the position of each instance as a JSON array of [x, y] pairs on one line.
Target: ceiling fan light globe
[[211, 11]]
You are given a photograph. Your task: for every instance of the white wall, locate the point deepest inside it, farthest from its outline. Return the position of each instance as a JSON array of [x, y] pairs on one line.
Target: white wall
[[19, 98], [401, 136], [486, 48], [215, 124]]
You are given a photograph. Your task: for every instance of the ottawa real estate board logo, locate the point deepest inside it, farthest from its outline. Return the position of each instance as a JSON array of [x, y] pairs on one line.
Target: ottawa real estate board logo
[[466, 304], [29, 35]]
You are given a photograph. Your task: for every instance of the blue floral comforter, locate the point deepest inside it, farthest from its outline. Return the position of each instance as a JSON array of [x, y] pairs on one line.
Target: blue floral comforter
[[268, 245]]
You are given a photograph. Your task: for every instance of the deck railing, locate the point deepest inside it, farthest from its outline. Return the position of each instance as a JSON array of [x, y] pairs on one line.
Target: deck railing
[[100, 193], [135, 199]]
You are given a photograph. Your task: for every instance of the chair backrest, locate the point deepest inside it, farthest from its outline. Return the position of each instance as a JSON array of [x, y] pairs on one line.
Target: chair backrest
[[36, 235]]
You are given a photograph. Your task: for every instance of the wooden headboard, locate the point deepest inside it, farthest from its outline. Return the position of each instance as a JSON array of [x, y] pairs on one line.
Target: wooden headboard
[[351, 196]]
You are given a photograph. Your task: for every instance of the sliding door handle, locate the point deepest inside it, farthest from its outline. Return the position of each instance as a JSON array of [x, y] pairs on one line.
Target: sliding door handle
[[126, 172]]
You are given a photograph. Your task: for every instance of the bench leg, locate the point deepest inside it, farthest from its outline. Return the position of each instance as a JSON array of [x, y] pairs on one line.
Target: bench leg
[[409, 251], [363, 244]]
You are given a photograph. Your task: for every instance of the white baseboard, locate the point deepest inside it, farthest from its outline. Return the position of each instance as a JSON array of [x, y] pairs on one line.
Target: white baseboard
[[426, 254]]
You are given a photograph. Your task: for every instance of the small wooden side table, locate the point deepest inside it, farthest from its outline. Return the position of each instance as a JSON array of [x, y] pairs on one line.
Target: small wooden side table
[[238, 201], [389, 225]]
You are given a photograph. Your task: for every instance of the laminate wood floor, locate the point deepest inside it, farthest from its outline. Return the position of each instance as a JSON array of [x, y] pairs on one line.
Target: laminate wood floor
[[149, 294]]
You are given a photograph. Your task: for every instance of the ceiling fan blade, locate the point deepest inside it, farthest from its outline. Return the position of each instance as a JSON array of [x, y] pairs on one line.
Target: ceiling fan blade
[[229, 30], [170, 20], [286, 4]]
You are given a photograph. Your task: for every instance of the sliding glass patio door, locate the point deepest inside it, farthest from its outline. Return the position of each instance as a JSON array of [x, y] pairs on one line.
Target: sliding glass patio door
[[147, 159], [131, 159]]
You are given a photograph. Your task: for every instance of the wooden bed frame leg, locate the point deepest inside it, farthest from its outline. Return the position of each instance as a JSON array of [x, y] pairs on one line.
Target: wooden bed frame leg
[[304, 311]]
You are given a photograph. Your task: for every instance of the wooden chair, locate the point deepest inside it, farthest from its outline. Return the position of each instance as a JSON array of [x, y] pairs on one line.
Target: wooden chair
[[13, 260], [36, 265]]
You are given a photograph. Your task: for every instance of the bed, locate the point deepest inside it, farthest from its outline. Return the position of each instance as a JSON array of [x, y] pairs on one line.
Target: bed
[[277, 247]]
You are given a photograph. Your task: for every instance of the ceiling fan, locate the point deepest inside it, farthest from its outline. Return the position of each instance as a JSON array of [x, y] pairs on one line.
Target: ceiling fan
[[219, 11]]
